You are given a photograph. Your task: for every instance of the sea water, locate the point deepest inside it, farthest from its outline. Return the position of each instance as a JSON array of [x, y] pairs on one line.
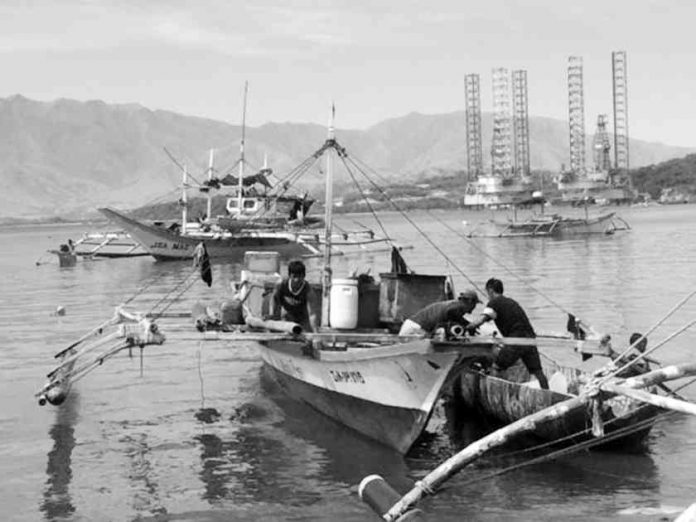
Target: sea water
[[195, 431]]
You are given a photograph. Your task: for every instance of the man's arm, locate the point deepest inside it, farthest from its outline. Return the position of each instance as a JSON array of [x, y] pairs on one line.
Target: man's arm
[[487, 315]]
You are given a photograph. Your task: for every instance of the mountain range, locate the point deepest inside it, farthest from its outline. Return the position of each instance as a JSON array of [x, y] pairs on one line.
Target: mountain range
[[67, 157]]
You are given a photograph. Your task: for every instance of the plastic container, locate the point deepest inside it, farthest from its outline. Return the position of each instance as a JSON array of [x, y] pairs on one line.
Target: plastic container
[[343, 312]]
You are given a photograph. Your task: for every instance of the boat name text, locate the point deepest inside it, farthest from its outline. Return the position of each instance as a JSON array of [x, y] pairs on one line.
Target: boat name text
[[347, 376]]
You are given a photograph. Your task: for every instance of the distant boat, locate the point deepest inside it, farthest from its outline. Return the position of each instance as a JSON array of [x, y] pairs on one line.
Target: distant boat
[[551, 225], [672, 196]]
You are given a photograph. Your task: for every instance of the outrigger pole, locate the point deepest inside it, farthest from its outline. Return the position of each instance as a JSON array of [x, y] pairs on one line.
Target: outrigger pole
[[140, 332], [592, 392]]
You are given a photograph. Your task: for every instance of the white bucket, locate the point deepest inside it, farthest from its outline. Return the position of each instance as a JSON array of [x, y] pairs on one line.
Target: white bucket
[[343, 311]]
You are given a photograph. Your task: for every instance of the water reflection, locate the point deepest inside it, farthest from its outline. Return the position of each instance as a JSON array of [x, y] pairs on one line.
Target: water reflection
[[346, 456], [145, 487], [57, 502], [283, 452], [254, 466]]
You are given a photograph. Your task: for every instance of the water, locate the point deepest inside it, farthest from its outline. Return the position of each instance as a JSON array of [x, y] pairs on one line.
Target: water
[[132, 447]]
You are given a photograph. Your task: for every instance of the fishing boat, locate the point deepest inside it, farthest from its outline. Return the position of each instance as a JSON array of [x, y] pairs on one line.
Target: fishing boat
[[257, 215], [549, 225], [167, 243], [522, 411], [506, 398], [108, 244]]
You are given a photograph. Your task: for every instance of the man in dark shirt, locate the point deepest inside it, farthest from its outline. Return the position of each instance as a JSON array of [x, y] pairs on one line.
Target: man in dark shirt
[[511, 321], [425, 320], [292, 297]]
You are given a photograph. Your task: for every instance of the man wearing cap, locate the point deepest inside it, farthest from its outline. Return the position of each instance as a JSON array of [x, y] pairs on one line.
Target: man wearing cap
[[426, 320], [511, 321]]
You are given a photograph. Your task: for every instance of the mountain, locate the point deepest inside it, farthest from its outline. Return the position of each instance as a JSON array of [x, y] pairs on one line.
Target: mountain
[[68, 157]]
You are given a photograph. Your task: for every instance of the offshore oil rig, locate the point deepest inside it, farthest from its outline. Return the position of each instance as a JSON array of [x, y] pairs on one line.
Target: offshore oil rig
[[508, 182], [602, 182]]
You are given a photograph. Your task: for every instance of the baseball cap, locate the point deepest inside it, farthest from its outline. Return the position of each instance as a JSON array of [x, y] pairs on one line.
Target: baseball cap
[[469, 295]]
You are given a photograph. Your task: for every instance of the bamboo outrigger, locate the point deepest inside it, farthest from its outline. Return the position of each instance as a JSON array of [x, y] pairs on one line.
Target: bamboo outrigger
[[595, 391]]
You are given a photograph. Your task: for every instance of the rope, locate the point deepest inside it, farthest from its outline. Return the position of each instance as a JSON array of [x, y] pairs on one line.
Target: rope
[[650, 330], [413, 224], [498, 262]]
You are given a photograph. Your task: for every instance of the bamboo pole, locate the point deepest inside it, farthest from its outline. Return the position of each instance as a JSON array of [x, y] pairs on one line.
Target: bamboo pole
[[95, 331], [475, 450], [656, 400], [668, 373], [276, 326]]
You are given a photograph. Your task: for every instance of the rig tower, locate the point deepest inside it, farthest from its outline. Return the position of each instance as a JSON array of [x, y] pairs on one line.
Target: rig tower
[[520, 121], [620, 86], [576, 115], [474, 147], [601, 146], [501, 148]]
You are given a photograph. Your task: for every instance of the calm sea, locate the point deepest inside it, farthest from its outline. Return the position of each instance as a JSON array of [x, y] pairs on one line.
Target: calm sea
[[130, 443]]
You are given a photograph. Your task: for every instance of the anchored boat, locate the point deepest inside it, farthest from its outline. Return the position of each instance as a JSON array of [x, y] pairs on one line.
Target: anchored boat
[[551, 225]]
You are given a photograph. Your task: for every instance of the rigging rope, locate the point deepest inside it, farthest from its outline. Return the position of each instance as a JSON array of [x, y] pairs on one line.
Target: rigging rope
[[407, 218], [498, 262], [652, 329]]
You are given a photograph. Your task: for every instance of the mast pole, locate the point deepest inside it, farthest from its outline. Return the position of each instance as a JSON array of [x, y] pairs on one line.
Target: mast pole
[[209, 207], [328, 216], [184, 201], [241, 153]]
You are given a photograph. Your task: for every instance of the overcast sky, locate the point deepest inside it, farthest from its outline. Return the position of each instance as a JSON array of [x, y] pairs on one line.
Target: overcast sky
[[376, 59]]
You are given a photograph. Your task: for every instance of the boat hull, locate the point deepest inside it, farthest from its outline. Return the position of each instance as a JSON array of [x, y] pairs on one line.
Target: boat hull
[[388, 399], [551, 226], [164, 244], [504, 401]]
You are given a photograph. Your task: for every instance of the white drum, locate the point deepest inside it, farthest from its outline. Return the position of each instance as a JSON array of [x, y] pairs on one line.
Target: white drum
[[343, 311]]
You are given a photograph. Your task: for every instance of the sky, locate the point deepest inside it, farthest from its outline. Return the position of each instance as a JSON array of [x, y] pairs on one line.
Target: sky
[[375, 59]]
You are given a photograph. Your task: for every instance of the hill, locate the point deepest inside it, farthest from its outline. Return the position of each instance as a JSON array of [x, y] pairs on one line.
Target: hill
[[65, 158]]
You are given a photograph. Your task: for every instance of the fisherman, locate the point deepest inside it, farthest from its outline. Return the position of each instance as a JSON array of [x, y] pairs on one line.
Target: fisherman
[[640, 343], [293, 297], [425, 321], [511, 321]]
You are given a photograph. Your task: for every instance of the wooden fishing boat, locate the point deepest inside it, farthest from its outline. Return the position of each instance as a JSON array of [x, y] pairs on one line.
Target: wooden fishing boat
[[592, 395], [257, 216], [171, 243], [514, 395], [551, 225]]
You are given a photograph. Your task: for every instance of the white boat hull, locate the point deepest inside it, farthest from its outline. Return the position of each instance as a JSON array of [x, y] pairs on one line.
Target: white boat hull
[[386, 398], [165, 244]]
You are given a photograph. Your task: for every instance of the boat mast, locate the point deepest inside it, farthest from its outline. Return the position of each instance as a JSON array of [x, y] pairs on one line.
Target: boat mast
[[209, 207], [241, 154], [328, 214], [184, 201]]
